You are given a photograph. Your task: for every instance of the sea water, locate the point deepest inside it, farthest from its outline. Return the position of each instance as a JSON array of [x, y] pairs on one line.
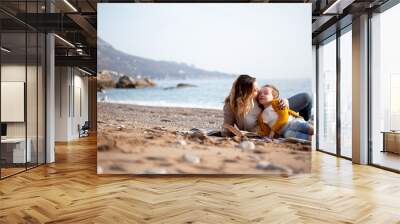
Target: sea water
[[206, 94]]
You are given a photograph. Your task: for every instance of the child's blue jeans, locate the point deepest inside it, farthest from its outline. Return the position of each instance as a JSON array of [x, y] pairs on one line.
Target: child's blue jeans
[[297, 128]]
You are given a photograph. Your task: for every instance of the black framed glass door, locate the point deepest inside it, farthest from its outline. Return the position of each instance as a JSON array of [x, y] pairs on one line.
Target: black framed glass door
[[334, 94], [326, 95], [22, 101]]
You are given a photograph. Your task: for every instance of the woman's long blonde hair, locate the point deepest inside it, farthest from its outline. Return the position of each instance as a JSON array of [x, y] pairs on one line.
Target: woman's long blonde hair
[[240, 98]]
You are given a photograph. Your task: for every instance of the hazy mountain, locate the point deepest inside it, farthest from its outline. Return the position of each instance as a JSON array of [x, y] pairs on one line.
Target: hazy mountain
[[109, 58]]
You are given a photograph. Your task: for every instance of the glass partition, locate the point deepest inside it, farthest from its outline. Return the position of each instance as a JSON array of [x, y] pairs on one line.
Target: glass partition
[[327, 96], [32, 86], [385, 88], [31, 98], [22, 101], [41, 110], [346, 94], [14, 153]]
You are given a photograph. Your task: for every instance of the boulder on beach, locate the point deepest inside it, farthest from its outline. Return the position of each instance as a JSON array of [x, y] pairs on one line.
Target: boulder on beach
[[145, 82], [126, 82], [182, 85], [110, 79], [104, 81]]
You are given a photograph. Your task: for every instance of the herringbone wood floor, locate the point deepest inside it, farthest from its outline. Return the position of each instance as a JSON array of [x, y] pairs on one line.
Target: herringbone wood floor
[[69, 191]]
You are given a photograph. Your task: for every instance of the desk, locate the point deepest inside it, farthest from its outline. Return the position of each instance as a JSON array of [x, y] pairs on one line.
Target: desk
[[15, 148], [391, 141]]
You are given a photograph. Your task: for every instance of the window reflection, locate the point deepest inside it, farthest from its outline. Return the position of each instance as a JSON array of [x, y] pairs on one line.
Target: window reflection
[[385, 84], [327, 97], [346, 94], [22, 91]]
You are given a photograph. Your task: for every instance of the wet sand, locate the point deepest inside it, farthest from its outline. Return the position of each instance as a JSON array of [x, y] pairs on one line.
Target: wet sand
[[157, 140]]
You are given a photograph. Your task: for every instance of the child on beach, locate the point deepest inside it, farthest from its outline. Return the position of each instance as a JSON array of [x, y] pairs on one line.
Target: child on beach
[[284, 122]]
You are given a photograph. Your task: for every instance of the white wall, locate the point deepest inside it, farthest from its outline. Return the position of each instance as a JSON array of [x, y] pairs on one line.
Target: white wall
[[33, 126], [80, 110], [70, 83], [12, 73], [50, 94], [61, 114]]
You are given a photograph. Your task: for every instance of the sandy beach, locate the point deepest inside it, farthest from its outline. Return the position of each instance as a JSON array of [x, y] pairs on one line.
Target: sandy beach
[[136, 139]]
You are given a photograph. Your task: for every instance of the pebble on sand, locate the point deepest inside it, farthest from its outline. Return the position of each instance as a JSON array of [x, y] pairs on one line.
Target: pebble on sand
[[247, 145], [265, 165], [121, 127], [181, 142], [278, 141], [116, 167], [148, 136], [199, 134], [160, 128], [190, 158], [155, 171]]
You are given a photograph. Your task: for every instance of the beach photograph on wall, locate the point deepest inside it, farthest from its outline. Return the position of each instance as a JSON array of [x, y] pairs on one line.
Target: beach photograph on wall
[[204, 88]]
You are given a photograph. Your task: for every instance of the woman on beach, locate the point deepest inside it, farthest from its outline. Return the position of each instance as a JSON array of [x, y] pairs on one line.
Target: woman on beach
[[242, 109]]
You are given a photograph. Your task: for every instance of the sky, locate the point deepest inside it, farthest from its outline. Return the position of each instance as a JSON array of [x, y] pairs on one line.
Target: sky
[[262, 40]]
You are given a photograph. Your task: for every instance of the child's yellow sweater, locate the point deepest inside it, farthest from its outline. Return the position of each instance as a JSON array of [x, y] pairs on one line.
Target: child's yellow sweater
[[283, 118]]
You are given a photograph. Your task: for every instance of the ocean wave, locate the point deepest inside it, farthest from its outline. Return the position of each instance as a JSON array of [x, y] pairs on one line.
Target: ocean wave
[[163, 104]]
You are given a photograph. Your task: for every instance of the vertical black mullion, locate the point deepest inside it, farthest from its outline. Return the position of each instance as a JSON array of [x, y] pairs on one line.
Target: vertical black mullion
[[26, 86], [73, 91], [60, 86], [369, 88], [317, 97], [338, 95], [0, 95], [45, 88], [45, 94], [69, 93], [37, 90]]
